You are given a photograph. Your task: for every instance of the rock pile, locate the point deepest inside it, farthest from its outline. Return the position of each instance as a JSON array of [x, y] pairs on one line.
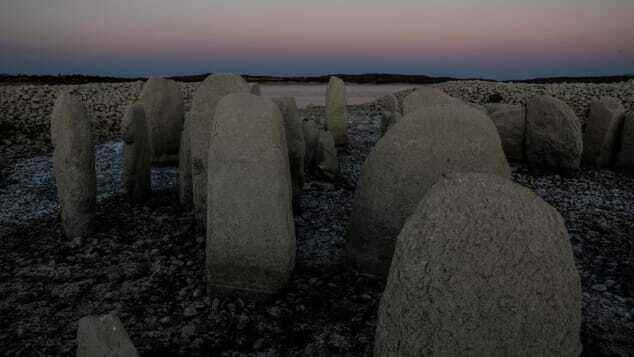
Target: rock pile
[[482, 267], [336, 111], [74, 165], [137, 154]]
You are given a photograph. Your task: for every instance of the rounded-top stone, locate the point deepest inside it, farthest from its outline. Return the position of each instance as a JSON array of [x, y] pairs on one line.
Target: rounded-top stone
[[482, 267], [426, 97], [336, 110], [603, 130]]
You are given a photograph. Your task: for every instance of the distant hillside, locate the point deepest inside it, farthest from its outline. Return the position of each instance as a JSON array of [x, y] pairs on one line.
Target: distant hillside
[[371, 78]]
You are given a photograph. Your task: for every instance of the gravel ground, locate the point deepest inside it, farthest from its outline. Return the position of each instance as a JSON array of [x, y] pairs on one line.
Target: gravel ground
[[144, 263]]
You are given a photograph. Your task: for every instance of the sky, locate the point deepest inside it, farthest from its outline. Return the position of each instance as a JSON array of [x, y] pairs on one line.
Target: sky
[[498, 39]]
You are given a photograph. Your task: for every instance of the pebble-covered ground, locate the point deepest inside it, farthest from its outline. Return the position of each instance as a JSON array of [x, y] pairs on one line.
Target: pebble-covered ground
[[146, 261]]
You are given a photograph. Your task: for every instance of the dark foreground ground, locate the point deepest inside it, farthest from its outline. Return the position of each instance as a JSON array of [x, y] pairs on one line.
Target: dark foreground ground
[[145, 263]]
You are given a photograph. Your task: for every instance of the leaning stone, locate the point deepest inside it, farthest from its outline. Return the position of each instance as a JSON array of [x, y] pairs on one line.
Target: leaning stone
[[425, 97], [255, 89], [295, 140], [389, 103], [327, 163], [413, 154], [164, 111], [511, 124], [336, 111], [603, 130], [250, 231], [483, 267], [311, 137], [204, 101], [137, 155], [388, 119], [553, 135], [103, 336], [625, 159], [74, 165], [185, 166]]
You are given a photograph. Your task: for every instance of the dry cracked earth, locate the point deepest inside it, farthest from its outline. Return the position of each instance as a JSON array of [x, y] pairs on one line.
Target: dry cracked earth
[[145, 263]]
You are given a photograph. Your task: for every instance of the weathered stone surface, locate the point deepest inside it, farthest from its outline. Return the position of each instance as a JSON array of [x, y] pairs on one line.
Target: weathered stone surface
[[255, 89], [250, 231], [629, 274], [388, 119], [74, 165], [295, 140], [494, 107], [553, 134], [327, 163], [625, 159], [103, 336], [412, 155], [483, 267], [511, 124], [185, 166], [603, 130], [336, 110], [311, 138], [162, 101], [389, 103], [425, 97], [137, 154], [204, 101]]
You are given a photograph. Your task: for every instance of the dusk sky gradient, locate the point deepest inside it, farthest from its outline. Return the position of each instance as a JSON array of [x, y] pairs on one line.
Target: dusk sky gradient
[[497, 39]]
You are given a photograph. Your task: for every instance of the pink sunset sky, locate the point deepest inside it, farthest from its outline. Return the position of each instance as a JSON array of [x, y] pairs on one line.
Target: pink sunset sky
[[494, 39]]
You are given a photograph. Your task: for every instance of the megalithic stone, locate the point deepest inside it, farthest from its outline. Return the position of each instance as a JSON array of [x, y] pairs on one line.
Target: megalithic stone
[[185, 166], [336, 110], [250, 228], [137, 155], [103, 336], [74, 165], [294, 139]]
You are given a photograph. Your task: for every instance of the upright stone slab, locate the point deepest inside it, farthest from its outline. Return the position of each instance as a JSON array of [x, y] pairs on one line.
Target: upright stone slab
[[389, 103], [295, 140], [625, 158], [103, 336], [250, 231], [553, 134], [74, 165], [327, 163], [511, 124], [483, 267], [255, 89], [388, 119], [336, 110], [426, 97], [413, 154], [164, 111], [204, 101], [185, 166], [137, 155], [311, 137], [603, 130]]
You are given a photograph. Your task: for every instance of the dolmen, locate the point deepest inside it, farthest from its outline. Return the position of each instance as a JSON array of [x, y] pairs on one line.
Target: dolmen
[[336, 110], [103, 336], [137, 155], [417, 151], [603, 128], [74, 165], [204, 101], [250, 229], [482, 267], [163, 103], [294, 130]]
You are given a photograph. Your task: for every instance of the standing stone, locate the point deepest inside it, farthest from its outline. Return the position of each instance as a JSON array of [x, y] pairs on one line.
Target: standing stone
[[426, 97], [553, 134], [483, 267], [185, 166], [413, 154], [255, 89], [311, 137], [295, 140], [389, 103], [327, 163], [74, 165], [388, 119], [204, 101], [164, 111], [336, 111], [603, 130], [250, 231], [103, 336], [625, 160], [137, 155], [511, 124], [495, 107]]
